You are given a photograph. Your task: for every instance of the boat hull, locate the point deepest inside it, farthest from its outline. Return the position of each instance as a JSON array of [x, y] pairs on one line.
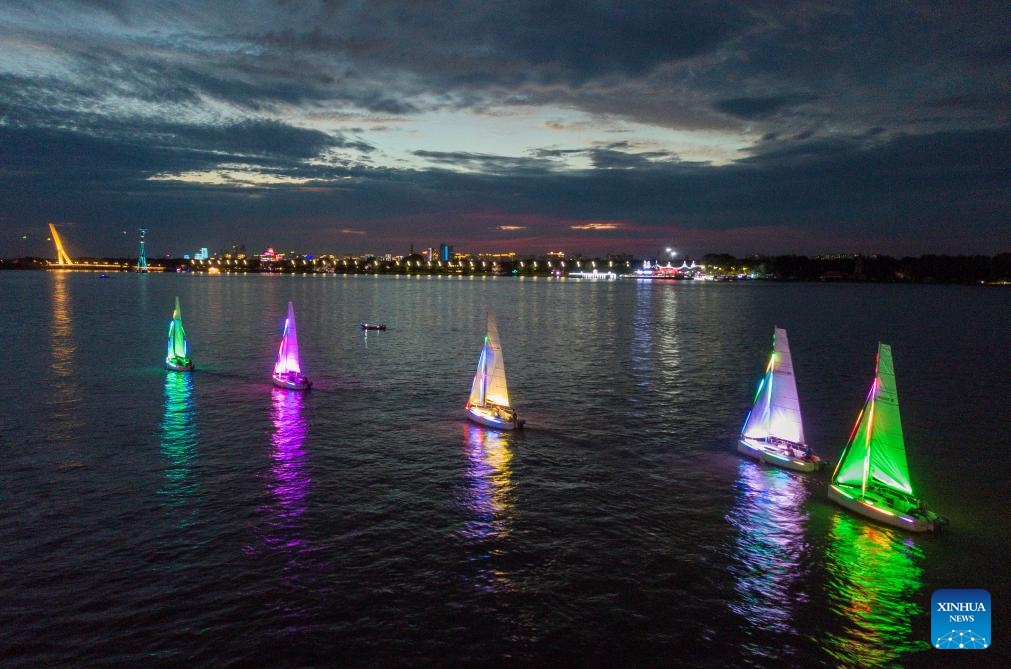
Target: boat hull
[[487, 417], [176, 366], [290, 382], [779, 456], [877, 509]]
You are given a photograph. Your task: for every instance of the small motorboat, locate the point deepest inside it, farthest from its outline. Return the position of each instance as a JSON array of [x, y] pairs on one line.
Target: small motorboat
[[373, 326]]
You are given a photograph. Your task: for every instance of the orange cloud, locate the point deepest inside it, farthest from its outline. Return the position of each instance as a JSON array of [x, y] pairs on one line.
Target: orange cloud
[[596, 226]]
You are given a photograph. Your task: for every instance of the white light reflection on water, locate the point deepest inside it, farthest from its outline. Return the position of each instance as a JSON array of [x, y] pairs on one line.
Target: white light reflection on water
[[489, 498], [642, 336], [768, 557]]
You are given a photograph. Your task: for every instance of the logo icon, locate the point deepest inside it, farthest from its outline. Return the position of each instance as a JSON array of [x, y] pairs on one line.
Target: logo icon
[[960, 619]]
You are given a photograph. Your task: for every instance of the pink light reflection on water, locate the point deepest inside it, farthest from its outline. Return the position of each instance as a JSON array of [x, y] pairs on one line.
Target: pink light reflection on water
[[289, 480]]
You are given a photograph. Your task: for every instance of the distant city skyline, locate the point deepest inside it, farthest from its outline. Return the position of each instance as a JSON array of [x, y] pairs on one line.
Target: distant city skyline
[[593, 127]]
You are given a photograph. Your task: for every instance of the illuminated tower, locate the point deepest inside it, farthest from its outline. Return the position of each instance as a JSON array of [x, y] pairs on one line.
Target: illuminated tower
[[61, 256], [142, 257]]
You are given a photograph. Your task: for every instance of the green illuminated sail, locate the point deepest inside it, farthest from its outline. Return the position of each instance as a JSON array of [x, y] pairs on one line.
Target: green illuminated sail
[[178, 348], [876, 451]]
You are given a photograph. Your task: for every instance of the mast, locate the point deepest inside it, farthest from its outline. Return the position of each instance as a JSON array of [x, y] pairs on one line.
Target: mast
[[768, 394], [867, 438], [484, 371]]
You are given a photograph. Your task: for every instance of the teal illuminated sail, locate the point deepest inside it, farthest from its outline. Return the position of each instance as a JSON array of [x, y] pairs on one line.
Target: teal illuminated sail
[[876, 451], [177, 356]]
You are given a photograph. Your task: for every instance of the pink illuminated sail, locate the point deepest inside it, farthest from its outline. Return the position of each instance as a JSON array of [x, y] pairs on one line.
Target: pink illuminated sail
[[287, 354]]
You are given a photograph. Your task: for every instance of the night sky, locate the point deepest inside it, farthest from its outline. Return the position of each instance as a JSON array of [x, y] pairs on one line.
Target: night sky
[[589, 127]]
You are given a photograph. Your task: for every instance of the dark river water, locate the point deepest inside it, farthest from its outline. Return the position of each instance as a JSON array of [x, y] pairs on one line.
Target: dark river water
[[152, 518]]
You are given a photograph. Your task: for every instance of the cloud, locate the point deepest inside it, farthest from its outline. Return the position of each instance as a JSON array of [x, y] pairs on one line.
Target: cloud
[[483, 162], [760, 107], [596, 226], [256, 138], [611, 159], [946, 189], [837, 122]]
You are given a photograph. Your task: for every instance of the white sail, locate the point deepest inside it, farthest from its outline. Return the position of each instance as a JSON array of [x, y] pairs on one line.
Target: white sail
[[776, 413], [489, 383], [478, 384]]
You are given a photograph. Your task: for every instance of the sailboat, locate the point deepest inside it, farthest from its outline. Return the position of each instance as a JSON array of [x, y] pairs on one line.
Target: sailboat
[[287, 371], [872, 477], [178, 355], [773, 432], [489, 395]]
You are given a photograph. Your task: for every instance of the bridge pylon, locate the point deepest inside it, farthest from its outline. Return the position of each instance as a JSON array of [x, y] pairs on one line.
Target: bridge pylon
[[61, 256]]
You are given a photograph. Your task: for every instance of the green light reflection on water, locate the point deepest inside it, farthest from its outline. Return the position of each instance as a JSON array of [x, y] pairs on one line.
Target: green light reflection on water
[[178, 439], [873, 579]]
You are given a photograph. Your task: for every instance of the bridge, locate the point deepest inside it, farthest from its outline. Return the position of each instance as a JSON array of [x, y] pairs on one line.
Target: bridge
[[64, 261]]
